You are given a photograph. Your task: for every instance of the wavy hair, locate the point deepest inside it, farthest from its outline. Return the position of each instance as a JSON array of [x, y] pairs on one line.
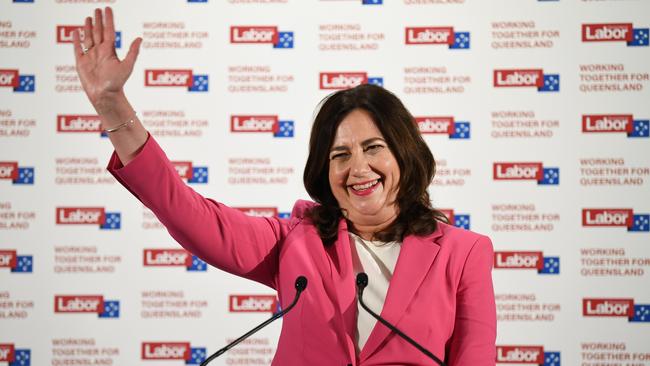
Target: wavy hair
[[417, 166]]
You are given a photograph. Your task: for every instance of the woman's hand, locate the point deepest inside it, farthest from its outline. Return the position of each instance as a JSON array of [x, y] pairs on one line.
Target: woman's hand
[[103, 76], [101, 73]]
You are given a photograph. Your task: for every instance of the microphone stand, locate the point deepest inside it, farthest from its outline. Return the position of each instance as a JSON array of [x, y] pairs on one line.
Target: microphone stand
[[301, 284], [362, 282]]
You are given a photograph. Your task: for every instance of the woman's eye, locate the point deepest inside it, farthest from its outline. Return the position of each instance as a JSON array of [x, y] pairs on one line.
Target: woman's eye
[[373, 147], [337, 156]]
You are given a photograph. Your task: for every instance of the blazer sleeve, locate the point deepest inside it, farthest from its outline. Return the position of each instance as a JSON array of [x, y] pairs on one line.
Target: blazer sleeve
[[222, 236], [473, 340]]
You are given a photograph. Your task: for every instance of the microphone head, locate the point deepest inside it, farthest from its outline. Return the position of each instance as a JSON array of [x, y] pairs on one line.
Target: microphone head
[[362, 280], [301, 283]]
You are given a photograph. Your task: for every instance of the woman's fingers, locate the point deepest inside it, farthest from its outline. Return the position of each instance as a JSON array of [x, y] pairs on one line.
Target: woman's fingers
[[76, 42], [98, 27], [98, 66], [132, 55], [109, 26], [87, 40]]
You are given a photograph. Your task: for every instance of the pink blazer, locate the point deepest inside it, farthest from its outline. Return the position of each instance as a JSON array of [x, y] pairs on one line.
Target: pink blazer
[[440, 295]]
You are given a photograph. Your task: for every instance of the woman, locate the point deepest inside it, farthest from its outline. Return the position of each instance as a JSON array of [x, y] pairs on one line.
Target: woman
[[368, 170]]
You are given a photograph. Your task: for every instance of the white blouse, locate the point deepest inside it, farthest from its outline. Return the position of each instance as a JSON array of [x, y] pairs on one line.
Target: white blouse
[[377, 259]]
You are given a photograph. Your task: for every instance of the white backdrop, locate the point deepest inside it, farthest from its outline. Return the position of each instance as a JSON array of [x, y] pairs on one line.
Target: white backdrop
[[551, 93]]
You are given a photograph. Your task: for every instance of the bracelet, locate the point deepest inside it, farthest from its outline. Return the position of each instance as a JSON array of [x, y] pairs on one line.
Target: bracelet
[[120, 126]]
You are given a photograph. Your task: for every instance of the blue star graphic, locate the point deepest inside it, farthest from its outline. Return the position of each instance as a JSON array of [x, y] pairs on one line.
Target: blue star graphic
[[113, 221], [639, 37], [197, 355], [552, 359], [25, 176], [640, 223], [462, 221], [285, 129], [641, 128], [461, 41], [551, 83], [199, 175], [111, 309], [200, 83], [379, 81], [26, 84], [641, 313], [285, 40], [197, 265], [461, 130], [550, 176], [118, 39], [22, 357], [24, 264], [551, 265]]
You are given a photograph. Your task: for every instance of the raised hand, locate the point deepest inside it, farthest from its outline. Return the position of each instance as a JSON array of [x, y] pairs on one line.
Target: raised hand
[[102, 74]]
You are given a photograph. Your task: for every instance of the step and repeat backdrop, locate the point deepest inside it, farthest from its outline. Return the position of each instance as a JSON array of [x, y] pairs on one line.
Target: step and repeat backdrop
[[537, 113]]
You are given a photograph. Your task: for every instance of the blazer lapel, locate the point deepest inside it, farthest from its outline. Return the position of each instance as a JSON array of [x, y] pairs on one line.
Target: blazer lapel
[[341, 288], [415, 259]]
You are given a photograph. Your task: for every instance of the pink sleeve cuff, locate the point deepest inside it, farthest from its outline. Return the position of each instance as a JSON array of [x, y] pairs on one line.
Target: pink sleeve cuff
[[140, 169]]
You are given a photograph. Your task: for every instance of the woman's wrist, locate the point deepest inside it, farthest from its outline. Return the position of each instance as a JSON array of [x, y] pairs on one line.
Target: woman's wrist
[[107, 101], [114, 110], [122, 125]]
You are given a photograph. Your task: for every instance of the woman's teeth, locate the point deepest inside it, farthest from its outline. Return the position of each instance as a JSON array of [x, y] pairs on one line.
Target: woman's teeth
[[360, 187]]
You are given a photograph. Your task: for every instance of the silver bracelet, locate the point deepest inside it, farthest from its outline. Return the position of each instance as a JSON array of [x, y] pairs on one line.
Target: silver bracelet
[[129, 122]]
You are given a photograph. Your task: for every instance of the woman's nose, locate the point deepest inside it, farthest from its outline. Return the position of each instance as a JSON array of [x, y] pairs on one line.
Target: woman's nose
[[359, 164]]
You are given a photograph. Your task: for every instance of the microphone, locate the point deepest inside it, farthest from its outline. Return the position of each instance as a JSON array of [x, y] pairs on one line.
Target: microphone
[[362, 282], [300, 285]]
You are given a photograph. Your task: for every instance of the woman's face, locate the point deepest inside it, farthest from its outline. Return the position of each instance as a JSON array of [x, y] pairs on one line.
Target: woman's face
[[363, 173]]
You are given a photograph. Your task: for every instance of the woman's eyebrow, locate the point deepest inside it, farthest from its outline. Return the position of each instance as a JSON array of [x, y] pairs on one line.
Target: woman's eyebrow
[[363, 143], [339, 148], [371, 140]]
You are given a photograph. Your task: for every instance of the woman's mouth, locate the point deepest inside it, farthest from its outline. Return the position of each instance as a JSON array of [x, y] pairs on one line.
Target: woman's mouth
[[365, 188]]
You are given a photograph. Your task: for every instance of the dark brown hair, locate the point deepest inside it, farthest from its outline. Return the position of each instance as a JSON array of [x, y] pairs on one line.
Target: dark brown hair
[[417, 166]]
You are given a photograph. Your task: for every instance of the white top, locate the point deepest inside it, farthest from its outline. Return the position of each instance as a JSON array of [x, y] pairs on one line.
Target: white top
[[377, 259]]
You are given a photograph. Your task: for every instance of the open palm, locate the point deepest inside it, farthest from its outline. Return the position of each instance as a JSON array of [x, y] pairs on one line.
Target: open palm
[[101, 72]]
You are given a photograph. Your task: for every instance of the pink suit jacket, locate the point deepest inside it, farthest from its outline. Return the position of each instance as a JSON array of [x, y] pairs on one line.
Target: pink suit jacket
[[440, 295]]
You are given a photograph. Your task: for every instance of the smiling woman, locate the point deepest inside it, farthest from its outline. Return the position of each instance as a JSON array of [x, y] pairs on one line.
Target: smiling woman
[[363, 174], [368, 171], [369, 167], [368, 163]]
